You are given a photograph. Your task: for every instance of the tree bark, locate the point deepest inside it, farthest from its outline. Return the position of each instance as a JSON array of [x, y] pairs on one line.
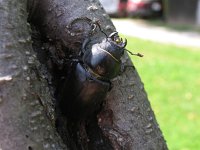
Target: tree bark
[[24, 124], [27, 105]]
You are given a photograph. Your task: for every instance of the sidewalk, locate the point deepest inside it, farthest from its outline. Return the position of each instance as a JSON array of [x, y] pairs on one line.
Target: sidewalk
[[155, 33]]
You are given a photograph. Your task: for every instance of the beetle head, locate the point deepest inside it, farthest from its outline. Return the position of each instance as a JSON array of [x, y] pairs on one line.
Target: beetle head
[[114, 45], [117, 40], [114, 37]]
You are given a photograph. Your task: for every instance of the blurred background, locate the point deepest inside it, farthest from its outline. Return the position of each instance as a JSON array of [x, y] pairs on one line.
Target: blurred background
[[167, 32]]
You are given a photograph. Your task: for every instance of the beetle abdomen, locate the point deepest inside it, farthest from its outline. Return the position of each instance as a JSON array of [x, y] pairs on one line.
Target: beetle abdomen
[[83, 94]]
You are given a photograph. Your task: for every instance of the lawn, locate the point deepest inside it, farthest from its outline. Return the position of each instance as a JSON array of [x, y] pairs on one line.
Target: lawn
[[171, 75]]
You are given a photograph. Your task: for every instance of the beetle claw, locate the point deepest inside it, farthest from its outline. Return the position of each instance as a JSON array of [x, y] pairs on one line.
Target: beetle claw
[[125, 43]]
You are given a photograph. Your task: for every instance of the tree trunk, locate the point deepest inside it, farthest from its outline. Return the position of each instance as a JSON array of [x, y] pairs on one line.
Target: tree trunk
[[24, 95], [28, 98]]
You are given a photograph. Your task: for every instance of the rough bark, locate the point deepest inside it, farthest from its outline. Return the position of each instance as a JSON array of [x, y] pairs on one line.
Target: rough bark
[[26, 102], [24, 124]]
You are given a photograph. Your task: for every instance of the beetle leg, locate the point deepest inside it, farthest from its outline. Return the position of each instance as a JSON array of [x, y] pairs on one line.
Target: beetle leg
[[124, 43], [85, 43], [95, 24]]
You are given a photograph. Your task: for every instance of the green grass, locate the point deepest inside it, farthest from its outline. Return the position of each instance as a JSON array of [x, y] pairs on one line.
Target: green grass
[[171, 75]]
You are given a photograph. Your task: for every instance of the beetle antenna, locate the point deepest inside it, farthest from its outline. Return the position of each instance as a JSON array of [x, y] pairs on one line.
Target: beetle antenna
[[104, 33], [96, 23], [137, 54]]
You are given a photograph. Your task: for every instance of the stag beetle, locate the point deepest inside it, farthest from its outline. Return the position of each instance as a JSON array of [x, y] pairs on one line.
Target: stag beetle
[[103, 59], [90, 75]]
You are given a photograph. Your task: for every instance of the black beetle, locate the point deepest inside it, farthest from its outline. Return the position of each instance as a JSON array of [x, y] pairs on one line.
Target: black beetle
[[90, 74], [103, 59]]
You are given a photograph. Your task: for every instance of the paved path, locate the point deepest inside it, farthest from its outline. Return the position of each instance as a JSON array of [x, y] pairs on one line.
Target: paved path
[[156, 33]]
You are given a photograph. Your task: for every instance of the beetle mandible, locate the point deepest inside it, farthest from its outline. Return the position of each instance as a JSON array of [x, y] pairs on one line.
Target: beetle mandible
[[90, 74]]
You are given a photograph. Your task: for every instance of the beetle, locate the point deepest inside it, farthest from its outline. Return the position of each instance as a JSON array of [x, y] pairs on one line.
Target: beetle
[[90, 76]]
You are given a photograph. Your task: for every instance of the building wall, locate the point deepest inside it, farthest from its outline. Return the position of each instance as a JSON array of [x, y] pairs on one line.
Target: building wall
[[182, 11], [198, 13]]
